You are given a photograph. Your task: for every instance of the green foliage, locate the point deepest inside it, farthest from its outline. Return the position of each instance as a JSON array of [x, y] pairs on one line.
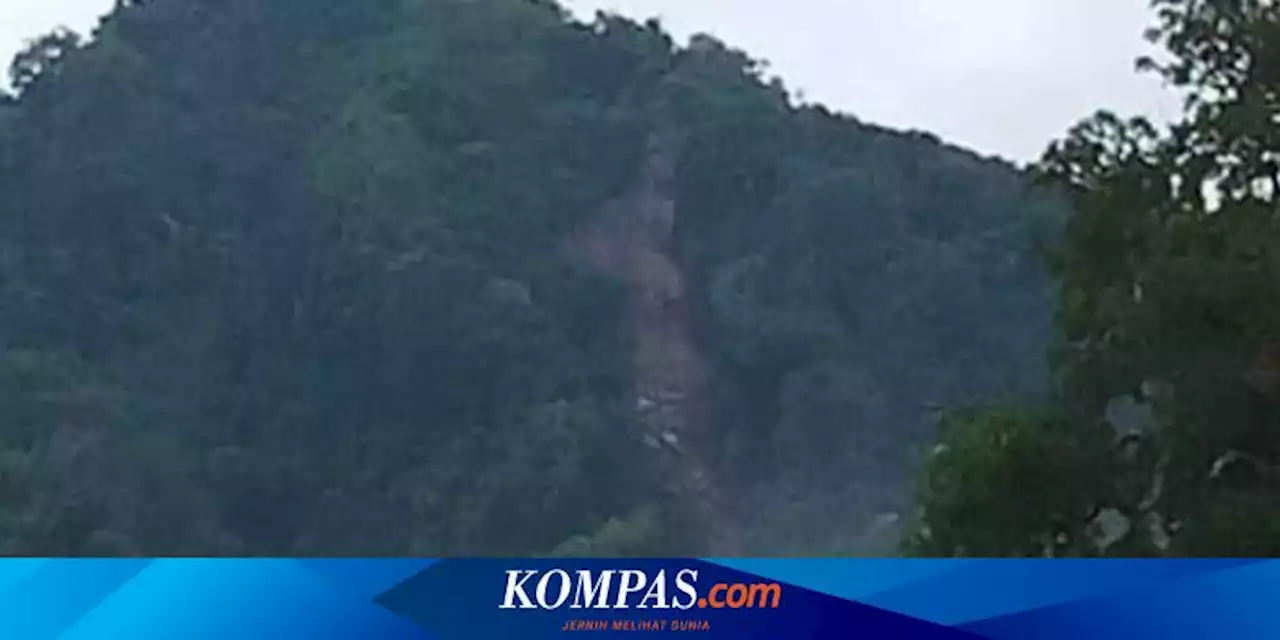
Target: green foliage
[[1167, 276], [284, 277], [633, 535], [1000, 482], [841, 301]]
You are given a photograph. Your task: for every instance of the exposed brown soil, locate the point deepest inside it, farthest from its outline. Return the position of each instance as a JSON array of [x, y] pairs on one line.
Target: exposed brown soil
[[633, 241]]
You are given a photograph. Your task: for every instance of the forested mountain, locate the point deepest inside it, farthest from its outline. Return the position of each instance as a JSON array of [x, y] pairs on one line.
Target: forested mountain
[[413, 277]]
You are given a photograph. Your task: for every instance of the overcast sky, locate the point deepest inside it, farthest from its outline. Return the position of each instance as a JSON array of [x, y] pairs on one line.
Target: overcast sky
[[1000, 76]]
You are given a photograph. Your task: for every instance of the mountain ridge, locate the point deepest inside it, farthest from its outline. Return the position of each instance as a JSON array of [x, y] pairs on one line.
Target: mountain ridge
[[301, 273]]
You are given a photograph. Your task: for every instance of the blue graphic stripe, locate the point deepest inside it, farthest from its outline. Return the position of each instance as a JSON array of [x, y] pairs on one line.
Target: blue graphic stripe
[[365, 579], [220, 599], [58, 592], [424, 599], [999, 587], [15, 570], [1237, 602]]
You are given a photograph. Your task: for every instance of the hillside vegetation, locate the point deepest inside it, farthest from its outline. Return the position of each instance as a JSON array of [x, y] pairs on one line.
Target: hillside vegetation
[[1160, 436], [300, 277]]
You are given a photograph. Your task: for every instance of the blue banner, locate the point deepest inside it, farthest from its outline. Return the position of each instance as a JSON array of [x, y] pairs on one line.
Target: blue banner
[[195, 599]]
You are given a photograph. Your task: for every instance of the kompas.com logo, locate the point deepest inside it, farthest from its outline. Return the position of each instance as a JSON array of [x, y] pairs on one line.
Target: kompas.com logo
[[631, 589]]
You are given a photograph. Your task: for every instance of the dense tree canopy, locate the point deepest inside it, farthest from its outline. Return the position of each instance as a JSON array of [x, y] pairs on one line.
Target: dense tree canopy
[[288, 277], [1161, 439]]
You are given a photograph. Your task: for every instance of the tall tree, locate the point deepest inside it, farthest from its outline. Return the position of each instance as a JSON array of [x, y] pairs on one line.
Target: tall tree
[[1164, 436]]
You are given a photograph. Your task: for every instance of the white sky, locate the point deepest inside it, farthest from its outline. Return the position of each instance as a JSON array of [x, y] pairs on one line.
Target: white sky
[[999, 76]]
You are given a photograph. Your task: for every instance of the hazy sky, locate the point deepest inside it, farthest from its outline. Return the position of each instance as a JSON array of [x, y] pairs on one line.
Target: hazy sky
[[999, 76]]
